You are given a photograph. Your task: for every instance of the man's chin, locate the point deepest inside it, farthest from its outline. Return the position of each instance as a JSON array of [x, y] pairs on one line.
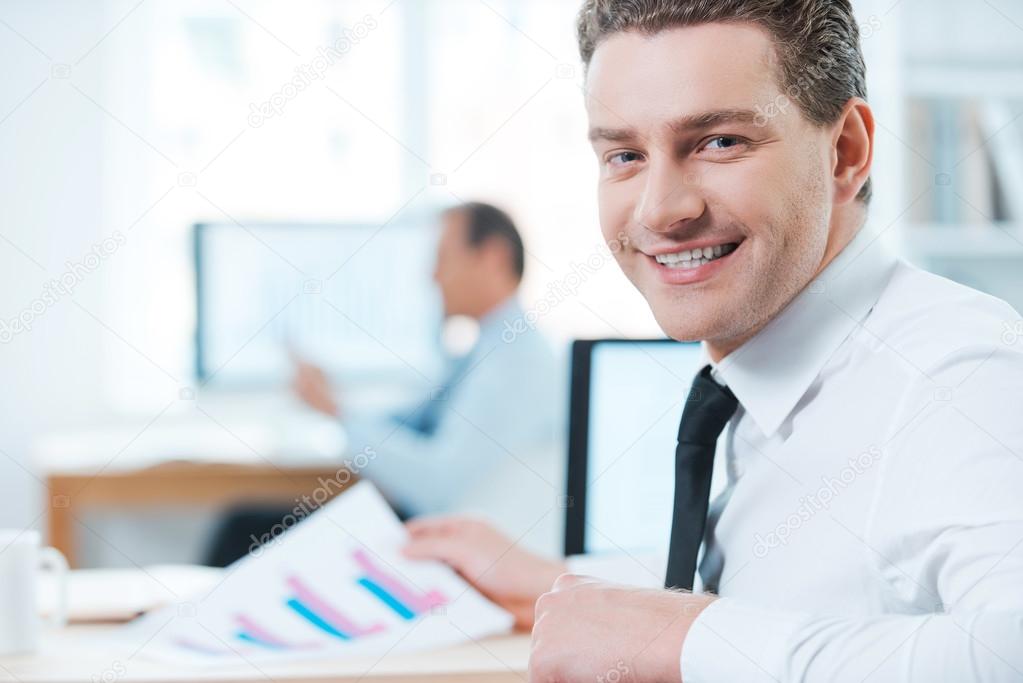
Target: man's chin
[[686, 325], [684, 331]]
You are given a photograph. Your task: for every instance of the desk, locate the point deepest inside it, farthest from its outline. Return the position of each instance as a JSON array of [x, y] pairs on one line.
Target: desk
[[201, 454], [179, 483], [86, 654], [99, 653]]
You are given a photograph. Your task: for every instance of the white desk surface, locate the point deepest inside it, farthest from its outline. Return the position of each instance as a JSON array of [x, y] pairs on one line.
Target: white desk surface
[[85, 654], [94, 652]]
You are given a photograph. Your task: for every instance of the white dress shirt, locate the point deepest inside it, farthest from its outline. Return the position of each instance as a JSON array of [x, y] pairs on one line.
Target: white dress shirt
[[869, 524]]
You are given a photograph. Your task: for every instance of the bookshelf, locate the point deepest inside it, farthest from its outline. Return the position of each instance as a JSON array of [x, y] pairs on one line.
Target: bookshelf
[[954, 110], [964, 241], [978, 79]]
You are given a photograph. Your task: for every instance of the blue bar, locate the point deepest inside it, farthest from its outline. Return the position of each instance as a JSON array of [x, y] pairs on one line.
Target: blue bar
[[248, 638], [315, 619], [388, 599]]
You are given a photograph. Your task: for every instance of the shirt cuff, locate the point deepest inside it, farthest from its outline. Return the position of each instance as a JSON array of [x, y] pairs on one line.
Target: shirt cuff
[[731, 641]]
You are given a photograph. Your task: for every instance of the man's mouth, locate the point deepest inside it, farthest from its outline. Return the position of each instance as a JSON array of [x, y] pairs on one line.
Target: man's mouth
[[686, 259]]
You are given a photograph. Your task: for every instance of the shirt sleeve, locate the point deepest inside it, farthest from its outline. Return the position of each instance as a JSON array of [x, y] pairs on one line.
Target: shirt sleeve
[[945, 536], [490, 418], [732, 641], [398, 460], [430, 473]]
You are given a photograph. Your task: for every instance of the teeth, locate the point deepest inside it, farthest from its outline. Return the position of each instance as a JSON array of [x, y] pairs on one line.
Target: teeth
[[696, 257]]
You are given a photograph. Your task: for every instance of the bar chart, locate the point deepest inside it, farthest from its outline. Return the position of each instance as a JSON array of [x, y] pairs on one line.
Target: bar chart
[[325, 590], [316, 610], [393, 592]]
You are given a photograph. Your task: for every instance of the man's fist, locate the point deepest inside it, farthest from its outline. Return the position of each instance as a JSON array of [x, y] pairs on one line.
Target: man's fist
[[587, 630]]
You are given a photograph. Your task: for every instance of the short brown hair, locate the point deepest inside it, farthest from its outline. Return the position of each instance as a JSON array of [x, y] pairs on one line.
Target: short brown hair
[[817, 42], [487, 222]]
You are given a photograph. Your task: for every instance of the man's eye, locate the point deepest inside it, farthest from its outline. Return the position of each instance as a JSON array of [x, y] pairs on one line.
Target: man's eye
[[622, 158], [723, 142]]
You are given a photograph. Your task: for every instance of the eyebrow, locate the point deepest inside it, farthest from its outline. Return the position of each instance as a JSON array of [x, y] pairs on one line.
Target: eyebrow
[[680, 125]]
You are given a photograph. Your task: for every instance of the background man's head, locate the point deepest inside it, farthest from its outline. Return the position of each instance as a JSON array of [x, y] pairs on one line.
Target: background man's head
[[480, 259], [734, 147]]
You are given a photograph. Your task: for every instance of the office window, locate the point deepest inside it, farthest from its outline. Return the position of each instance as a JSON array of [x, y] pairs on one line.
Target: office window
[[425, 104]]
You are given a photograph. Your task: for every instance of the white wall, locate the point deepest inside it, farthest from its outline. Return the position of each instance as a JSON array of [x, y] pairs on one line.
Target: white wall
[[50, 212]]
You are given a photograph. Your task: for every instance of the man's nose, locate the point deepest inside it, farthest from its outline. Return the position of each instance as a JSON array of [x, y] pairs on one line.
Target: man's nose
[[671, 197]]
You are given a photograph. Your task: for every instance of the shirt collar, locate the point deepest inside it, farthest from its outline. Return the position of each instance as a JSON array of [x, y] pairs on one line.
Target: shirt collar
[[771, 372], [503, 316]]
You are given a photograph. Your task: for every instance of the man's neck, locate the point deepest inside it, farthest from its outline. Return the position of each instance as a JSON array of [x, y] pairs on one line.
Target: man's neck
[[489, 300], [492, 304]]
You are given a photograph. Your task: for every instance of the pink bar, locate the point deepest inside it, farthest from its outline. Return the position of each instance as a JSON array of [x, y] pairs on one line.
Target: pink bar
[[257, 631], [319, 605], [417, 602], [189, 645]]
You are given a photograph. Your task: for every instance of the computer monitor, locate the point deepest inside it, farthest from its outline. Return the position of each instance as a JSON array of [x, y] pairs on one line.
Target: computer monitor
[[356, 299], [626, 402]]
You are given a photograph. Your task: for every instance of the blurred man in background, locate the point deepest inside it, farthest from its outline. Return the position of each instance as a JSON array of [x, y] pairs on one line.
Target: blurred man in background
[[487, 439], [496, 402]]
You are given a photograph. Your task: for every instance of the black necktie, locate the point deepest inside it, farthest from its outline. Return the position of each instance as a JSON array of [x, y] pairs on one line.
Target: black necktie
[[708, 409]]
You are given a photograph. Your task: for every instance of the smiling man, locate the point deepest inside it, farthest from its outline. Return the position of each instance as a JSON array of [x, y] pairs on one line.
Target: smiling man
[[857, 416]]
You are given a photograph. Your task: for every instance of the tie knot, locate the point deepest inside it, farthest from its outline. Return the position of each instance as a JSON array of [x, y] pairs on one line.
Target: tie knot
[[709, 407]]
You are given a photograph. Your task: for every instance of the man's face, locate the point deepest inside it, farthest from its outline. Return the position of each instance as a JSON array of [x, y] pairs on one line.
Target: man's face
[[457, 265], [721, 211]]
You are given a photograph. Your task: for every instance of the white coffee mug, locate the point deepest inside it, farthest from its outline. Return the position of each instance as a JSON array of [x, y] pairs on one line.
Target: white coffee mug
[[21, 559]]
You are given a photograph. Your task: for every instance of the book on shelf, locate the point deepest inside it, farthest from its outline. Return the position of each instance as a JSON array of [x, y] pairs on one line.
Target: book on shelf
[[970, 154]]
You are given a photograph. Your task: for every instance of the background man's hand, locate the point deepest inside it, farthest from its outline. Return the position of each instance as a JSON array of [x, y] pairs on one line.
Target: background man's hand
[[589, 630], [313, 388], [508, 575]]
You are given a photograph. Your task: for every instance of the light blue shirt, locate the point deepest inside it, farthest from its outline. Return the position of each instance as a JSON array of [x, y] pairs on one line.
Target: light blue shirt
[[503, 410]]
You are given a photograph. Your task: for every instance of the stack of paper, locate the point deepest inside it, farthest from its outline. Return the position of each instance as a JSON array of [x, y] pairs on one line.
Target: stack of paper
[[111, 595], [336, 584]]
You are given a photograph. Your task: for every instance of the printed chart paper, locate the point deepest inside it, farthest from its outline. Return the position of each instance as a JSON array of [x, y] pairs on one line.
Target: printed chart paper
[[334, 585]]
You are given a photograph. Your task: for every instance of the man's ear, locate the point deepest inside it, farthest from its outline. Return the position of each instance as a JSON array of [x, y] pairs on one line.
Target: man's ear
[[852, 150], [495, 254]]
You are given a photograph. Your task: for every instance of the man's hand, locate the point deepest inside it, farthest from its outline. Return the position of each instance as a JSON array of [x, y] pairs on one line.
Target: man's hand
[[588, 630], [508, 575], [312, 387]]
